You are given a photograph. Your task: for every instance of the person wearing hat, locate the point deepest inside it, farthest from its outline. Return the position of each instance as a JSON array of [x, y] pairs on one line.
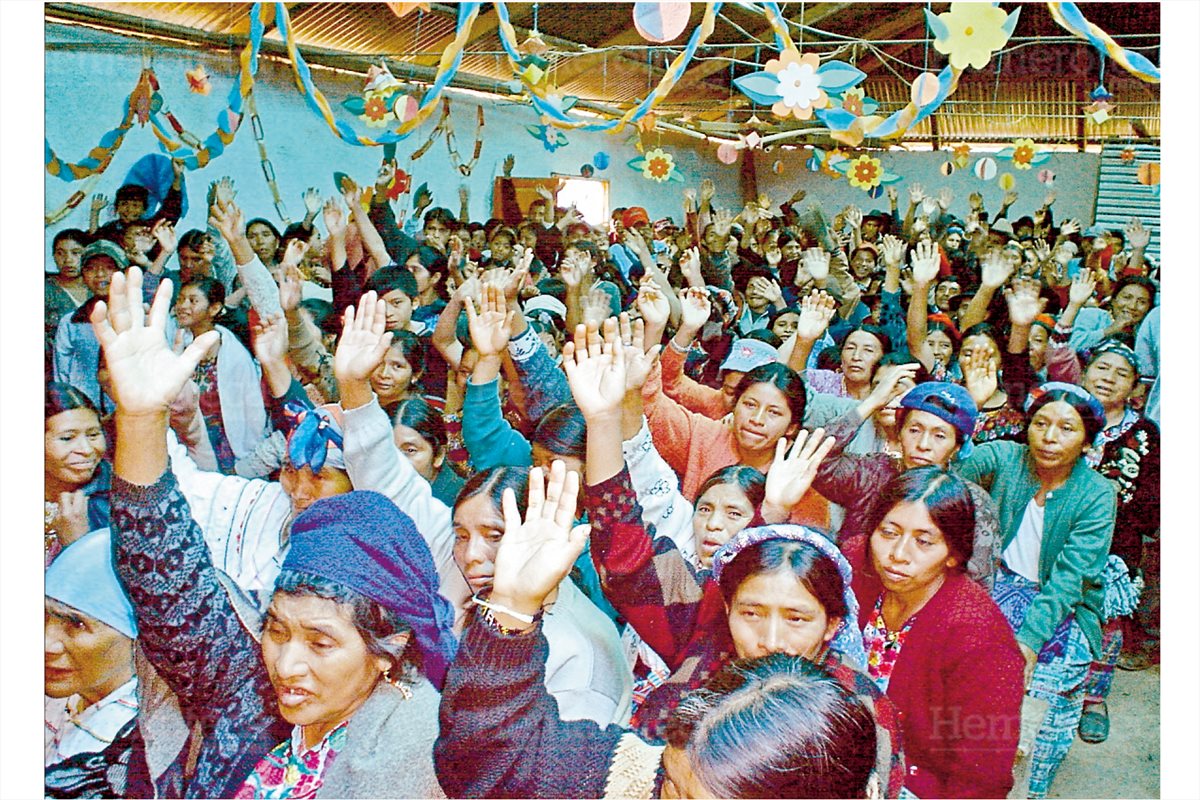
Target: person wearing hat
[[936, 421], [1056, 527], [76, 351], [935, 640], [875, 225], [91, 688], [1000, 232], [356, 640]]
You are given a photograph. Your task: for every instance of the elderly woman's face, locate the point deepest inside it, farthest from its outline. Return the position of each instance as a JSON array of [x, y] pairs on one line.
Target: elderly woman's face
[[317, 661], [83, 655], [263, 242], [1111, 379], [305, 488], [74, 445]]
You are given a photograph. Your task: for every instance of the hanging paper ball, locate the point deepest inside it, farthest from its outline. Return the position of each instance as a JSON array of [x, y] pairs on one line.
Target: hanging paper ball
[[813, 164], [661, 22], [1007, 181], [924, 89], [985, 169], [948, 168], [600, 161], [406, 108], [777, 167], [727, 153], [1148, 174], [1046, 177], [875, 192], [587, 170]]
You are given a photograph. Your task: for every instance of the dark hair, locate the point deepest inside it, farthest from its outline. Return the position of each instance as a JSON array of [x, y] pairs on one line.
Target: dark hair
[[373, 622], [829, 358], [194, 239], [765, 335], [1093, 422], [491, 484], [133, 191], [435, 264], [885, 341], [323, 316], [752, 482], [946, 498], [392, 278], [506, 232], [905, 357], [983, 329], [268, 223], [586, 247], [418, 414], [776, 726], [950, 330], [815, 571], [213, 290], [1136, 280], [413, 350], [783, 378], [562, 431], [297, 230], [74, 234], [62, 397], [747, 272], [442, 215], [779, 312]]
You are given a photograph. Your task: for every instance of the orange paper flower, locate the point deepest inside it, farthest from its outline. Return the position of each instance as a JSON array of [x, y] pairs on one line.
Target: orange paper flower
[[865, 172], [375, 111], [1023, 153], [659, 165]]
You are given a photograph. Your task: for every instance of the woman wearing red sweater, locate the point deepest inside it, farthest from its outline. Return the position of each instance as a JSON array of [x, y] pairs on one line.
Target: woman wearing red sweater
[[936, 642]]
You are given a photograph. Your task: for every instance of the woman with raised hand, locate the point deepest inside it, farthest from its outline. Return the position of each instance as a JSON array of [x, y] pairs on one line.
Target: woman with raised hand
[[819, 740], [1056, 523], [343, 683], [784, 587]]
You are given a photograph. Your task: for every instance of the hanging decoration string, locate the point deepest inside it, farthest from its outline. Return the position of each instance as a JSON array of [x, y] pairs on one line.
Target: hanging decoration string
[[99, 157], [72, 202], [560, 119], [438, 129], [319, 105], [1071, 18], [452, 147], [268, 169]]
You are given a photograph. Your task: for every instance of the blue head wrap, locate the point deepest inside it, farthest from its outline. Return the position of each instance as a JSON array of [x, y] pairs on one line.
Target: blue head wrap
[[847, 642], [83, 577], [315, 438], [361, 541], [155, 173]]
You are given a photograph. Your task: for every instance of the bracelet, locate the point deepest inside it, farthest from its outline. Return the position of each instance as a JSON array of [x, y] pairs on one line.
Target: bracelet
[[496, 608]]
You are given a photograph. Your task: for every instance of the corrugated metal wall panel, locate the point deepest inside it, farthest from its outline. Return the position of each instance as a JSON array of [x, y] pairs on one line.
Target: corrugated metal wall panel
[[1120, 197]]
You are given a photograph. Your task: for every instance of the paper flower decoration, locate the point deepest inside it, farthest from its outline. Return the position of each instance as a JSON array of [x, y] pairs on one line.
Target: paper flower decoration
[[827, 163], [796, 85], [382, 99], [656, 165], [1128, 155], [550, 138], [1023, 154], [970, 32], [198, 80], [864, 172], [962, 154]]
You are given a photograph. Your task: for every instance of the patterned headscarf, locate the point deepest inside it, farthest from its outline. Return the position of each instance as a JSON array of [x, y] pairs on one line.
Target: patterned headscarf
[[1114, 346], [84, 578], [848, 639], [316, 436], [1091, 412]]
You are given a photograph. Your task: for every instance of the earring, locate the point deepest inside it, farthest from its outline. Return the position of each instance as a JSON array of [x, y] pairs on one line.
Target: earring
[[397, 683]]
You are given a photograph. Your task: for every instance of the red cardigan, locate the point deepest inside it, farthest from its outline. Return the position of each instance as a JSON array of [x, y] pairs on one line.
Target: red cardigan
[[958, 685]]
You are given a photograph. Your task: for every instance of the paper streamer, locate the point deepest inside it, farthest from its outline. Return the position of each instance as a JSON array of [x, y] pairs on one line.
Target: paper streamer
[[1071, 18], [316, 101], [557, 117], [97, 159]]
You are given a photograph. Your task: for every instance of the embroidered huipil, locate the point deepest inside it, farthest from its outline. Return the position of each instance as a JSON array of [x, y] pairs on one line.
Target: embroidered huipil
[[883, 646], [293, 771], [71, 730]]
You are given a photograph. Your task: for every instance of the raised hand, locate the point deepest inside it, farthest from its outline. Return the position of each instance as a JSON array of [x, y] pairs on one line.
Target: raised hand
[[892, 194], [595, 306], [312, 202], [271, 340], [708, 190], [1083, 288], [916, 193], [1137, 234], [695, 308], [145, 374], [335, 218], [996, 269], [816, 310], [854, 217], [164, 232], [792, 472], [634, 241], [290, 286], [799, 195], [652, 304], [891, 385], [1050, 198], [489, 325], [223, 191], [925, 263], [689, 200], [722, 221], [689, 265], [975, 201], [72, 521], [1068, 227], [364, 340], [510, 161], [979, 375], [294, 254], [573, 268], [892, 250], [816, 261], [596, 370], [99, 203], [1041, 248], [944, 197], [227, 218], [536, 553], [1010, 197], [639, 359], [1024, 301]]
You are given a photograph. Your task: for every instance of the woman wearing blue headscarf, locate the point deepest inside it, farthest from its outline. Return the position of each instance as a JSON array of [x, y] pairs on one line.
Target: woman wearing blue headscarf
[[355, 642]]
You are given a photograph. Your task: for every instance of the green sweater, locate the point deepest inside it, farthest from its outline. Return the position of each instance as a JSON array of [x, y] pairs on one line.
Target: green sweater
[[1077, 533]]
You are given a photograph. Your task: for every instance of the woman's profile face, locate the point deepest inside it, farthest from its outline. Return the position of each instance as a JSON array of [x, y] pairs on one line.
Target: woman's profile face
[[317, 661], [721, 512], [908, 551], [83, 655], [1057, 437], [74, 445], [1111, 379], [773, 612], [478, 528], [760, 416]]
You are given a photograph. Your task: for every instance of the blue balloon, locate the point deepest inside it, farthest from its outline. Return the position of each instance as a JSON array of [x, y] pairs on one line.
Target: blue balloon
[[600, 160]]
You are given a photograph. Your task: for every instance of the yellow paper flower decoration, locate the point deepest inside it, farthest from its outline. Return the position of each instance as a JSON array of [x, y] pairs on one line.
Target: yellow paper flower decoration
[[1023, 153], [865, 172], [800, 89], [659, 165], [852, 101], [976, 30], [375, 111]]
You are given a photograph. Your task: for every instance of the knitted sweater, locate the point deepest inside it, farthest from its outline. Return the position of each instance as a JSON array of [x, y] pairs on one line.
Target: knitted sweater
[[680, 613], [1077, 534], [958, 684]]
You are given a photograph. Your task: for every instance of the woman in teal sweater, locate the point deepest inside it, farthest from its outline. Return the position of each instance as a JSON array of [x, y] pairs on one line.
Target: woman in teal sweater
[[1056, 519]]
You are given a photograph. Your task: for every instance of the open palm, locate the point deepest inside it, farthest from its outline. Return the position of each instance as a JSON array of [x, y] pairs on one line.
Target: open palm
[[364, 340], [596, 370]]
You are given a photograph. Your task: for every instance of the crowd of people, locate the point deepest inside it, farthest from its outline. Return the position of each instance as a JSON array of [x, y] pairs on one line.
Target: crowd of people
[[777, 502]]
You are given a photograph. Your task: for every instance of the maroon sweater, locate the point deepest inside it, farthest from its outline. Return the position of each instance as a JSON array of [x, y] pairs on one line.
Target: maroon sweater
[[958, 684]]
